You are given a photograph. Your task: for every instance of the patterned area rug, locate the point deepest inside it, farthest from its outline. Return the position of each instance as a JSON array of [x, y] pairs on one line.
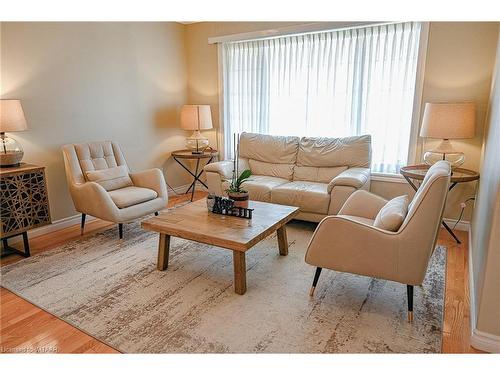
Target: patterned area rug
[[110, 288]]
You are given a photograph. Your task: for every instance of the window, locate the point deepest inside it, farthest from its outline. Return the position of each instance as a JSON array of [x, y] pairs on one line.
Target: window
[[333, 84]]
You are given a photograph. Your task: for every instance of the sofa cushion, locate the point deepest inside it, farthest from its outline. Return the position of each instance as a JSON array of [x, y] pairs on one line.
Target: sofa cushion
[[316, 174], [110, 178], [131, 195], [259, 187], [263, 168], [269, 148], [333, 152], [309, 196], [392, 215]]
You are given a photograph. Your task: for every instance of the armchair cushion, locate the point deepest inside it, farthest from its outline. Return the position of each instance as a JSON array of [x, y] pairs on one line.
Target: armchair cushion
[[354, 177], [132, 195], [392, 215], [110, 178], [362, 203]]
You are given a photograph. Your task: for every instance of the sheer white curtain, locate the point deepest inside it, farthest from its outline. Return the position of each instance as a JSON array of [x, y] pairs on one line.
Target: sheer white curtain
[[332, 84]]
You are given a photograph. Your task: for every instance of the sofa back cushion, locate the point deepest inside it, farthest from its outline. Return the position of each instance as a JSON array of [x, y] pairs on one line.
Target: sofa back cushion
[[271, 169], [269, 155], [335, 152], [316, 174], [269, 148]]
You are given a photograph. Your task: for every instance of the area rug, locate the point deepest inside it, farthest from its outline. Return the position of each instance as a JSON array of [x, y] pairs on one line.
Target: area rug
[[110, 289]]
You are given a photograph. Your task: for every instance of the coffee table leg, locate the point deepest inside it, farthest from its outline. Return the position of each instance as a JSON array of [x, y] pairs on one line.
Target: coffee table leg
[[163, 250], [240, 272], [282, 241]]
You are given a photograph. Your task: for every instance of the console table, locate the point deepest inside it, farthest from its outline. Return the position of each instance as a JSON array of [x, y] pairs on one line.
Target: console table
[[458, 175], [24, 204]]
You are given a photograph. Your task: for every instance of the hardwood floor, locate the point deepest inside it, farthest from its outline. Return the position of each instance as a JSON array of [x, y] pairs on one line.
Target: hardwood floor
[[26, 328]]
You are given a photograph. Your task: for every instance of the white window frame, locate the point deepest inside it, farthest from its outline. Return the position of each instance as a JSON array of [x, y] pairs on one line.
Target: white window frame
[[415, 143]]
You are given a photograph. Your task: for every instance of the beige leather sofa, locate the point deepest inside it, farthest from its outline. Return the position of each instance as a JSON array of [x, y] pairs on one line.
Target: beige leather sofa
[[362, 248], [315, 174], [137, 195]]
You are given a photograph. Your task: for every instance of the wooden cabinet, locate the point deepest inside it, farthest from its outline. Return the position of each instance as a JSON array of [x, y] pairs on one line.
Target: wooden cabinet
[[24, 204]]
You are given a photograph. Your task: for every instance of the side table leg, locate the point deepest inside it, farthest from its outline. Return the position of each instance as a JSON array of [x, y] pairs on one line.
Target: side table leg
[[195, 178], [450, 231]]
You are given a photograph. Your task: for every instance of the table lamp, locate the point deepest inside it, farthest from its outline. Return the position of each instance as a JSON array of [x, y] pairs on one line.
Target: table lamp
[[196, 118], [447, 121], [11, 120]]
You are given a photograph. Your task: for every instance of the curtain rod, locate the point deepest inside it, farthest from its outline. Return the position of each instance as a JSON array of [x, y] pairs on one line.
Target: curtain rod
[[314, 27]]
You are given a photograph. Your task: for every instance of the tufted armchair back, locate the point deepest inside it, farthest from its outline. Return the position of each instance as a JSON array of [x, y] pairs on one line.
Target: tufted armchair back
[[83, 157]]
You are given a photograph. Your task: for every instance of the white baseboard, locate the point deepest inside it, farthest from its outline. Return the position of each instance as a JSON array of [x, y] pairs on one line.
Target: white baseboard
[[479, 340], [462, 225], [485, 341], [53, 227]]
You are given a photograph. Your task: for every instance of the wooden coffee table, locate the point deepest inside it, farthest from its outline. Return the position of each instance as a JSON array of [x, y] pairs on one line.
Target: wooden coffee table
[[194, 222]]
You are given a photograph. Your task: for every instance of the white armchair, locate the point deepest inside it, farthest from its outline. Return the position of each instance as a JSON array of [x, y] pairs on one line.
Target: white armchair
[[119, 198], [349, 241]]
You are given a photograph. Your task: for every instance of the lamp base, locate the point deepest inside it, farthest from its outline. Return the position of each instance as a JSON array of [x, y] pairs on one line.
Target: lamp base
[[11, 152], [444, 151], [197, 143], [456, 159]]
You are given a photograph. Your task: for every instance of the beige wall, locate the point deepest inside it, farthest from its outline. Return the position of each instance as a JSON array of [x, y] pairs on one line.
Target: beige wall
[[126, 81], [459, 65], [91, 81], [486, 222]]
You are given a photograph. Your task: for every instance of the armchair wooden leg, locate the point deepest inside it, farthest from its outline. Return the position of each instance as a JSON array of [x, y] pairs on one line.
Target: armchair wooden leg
[[315, 280], [82, 225], [120, 230], [409, 292]]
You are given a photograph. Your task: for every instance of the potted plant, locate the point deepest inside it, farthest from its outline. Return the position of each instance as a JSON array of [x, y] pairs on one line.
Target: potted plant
[[235, 192]]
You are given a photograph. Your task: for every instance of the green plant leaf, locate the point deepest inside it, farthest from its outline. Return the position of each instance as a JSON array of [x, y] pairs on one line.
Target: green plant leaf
[[244, 175]]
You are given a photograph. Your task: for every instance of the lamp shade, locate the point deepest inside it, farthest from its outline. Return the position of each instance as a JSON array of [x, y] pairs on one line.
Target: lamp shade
[[12, 116], [449, 120], [196, 117]]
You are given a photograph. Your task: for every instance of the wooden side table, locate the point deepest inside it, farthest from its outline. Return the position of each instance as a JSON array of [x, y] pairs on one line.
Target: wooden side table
[[458, 175], [24, 204], [208, 155]]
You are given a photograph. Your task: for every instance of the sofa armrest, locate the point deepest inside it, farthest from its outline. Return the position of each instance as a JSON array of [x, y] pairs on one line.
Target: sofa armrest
[[152, 179], [223, 168], [363, 203], [353, 177]]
